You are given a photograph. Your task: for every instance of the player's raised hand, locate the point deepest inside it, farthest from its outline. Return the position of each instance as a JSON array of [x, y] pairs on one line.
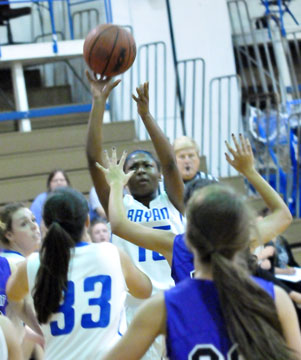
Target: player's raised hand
[[243, 159], [143, 99], [114, 173], [102, 87]]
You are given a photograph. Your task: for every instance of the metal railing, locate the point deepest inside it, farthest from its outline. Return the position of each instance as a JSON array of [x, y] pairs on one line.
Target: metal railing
[[224, 119]]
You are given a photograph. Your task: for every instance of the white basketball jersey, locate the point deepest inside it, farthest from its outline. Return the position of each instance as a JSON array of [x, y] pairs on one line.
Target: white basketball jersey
[[163, 215], [88, 321], [3, 346], [13, 256], [160, 214]]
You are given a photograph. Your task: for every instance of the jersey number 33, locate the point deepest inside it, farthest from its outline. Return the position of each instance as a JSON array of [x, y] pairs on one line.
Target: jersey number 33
[[68, 311]]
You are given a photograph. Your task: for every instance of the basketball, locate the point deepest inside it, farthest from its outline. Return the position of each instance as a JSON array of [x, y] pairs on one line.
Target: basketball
[[109, 50]]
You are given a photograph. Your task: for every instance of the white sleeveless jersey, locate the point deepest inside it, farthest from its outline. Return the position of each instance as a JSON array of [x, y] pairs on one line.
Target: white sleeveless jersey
[[3, 346], [163, 215], [89, 319], [13, 256]]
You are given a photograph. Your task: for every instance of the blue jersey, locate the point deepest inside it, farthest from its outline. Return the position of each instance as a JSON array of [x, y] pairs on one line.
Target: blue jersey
[[195, 326], [4, 275], [182, 260]]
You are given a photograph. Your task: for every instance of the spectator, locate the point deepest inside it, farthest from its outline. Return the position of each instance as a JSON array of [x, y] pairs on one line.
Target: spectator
[[95, 207], [56, 178], [99, 231], [188, 160], [284, 260]]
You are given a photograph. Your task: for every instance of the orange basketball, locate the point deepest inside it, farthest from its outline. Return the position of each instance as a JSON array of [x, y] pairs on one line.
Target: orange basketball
[[109, 50]]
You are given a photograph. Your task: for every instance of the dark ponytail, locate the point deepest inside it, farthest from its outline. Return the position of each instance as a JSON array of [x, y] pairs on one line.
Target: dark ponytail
[[65, 213], [218, 228]]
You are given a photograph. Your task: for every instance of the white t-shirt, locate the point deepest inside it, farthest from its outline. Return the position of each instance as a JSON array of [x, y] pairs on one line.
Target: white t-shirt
[[90, 318]]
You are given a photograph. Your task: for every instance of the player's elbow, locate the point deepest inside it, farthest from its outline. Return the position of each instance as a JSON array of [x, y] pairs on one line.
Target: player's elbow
[[287, 217], [118, 227], [91, 156], [145, 290]]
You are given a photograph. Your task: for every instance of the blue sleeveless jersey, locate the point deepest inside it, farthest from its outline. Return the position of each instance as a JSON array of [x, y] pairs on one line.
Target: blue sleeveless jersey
[[4, 275], [195, 326], [182, 260]]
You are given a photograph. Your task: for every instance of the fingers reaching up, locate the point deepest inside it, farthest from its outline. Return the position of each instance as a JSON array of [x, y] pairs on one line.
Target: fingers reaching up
[[114, 173], [101, 87], [142, 99], [242, 155]]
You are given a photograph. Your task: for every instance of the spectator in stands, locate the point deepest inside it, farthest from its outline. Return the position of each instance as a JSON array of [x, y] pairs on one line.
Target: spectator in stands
[[279, 252], [99, 231], [56, 178], [188, 159], [95, 207], [284, 260]]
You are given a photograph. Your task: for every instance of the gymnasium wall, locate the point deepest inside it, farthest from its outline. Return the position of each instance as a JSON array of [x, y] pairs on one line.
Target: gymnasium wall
[[201, 29]]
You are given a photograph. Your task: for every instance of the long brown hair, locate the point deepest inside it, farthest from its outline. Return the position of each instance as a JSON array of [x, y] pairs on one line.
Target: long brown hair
[[218, 228], [65, 213]]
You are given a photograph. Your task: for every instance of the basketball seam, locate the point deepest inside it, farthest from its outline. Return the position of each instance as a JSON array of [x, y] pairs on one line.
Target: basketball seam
[[107, 64], [95, 41]]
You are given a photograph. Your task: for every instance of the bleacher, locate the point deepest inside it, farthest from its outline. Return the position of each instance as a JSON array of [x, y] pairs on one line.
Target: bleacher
[[27, 158]]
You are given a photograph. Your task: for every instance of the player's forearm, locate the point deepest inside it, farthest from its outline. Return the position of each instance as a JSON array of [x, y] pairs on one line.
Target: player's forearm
[[272, 199], [94, 137], [172, 178], [117, 214], [161, 144]]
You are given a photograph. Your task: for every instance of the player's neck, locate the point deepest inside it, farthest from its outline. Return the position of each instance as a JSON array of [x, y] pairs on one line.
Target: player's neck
[[202, 271], [145, 200]]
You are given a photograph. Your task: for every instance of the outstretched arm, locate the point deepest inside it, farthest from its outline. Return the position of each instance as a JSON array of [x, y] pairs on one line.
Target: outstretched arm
[[152, 239], [101, 90], [172, 177], [148, 323], [138, 284], [280, 217]]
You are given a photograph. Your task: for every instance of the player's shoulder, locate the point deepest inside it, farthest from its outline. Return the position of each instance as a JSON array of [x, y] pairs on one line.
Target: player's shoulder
[[102, 247]]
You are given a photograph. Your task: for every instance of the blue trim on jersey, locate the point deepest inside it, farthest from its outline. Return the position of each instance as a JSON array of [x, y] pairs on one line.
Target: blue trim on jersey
[[82, 243], [11, 252], [120, 319]]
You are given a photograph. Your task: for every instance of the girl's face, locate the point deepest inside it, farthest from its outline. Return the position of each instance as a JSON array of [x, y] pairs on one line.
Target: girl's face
[[58, 180], [25, 236], [100, 233], [145, 180]]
